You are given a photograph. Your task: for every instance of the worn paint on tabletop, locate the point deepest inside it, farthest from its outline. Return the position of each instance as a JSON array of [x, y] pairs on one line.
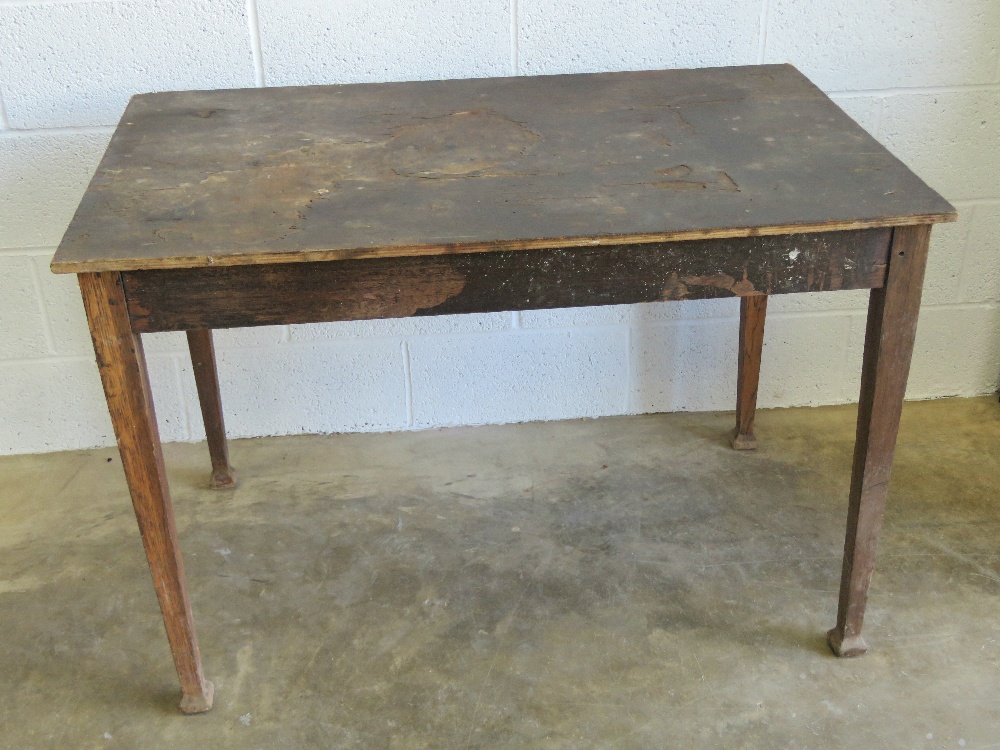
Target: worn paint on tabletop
[[313, 173]]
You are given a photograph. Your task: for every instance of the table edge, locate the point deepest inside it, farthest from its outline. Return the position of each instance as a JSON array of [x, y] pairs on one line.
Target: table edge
[[400, 251]]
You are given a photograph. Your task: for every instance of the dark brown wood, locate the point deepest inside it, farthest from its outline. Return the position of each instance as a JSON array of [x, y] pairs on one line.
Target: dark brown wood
[[280, 175], [122, 366], [216, 209], [176, 299], [753, 310], [892, 327], [206, 378]]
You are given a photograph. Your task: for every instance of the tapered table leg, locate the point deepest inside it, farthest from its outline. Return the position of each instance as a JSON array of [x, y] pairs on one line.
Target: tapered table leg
[[206, 378], [753, 310], [892, 326], [123, 371]]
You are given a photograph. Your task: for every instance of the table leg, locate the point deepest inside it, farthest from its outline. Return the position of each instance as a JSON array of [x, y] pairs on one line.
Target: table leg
[[206, 378], [753, 310], [122, 365], [892, 326]]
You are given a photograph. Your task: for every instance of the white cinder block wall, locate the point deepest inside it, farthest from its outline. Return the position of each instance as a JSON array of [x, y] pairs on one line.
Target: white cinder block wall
[[922, 75]]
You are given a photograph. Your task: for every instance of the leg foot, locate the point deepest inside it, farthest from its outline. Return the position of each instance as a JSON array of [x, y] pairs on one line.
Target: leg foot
[[223, 479], [199, 703], [742, 441], [846, 647]]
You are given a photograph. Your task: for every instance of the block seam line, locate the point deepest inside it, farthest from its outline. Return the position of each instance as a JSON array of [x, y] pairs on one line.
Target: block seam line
[[515, 31], [28, 251], [846, 371], [58, 130], [956, 88], [407, 383], [36, 283], [185, 406], [971, 202], [4, 119], [253, 24], [46, 360], [963, 272], [765, 13], [629, 385], [879, 117]]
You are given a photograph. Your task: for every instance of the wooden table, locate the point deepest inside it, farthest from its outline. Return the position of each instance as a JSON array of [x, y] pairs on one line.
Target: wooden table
[[217, 209]]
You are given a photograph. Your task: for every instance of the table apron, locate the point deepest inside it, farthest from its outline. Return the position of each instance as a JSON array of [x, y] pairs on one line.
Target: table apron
[[364, 289]]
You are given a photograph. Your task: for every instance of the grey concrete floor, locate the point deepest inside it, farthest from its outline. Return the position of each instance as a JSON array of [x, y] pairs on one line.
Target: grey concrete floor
[[628, 582]]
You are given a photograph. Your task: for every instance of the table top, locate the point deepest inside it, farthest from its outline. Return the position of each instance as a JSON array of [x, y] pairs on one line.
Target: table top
[[310, 173]]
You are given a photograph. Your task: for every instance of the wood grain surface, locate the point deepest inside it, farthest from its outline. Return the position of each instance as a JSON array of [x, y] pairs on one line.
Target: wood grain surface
[[889, 337], [122, 365], [178, 299], [281, 175], [753, 313]]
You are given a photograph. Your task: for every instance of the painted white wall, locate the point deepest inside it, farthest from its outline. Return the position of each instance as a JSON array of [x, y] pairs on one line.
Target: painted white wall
[[922, 75]]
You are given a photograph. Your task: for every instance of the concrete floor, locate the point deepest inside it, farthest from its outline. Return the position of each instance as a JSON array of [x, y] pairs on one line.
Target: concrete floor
[[627, 582]]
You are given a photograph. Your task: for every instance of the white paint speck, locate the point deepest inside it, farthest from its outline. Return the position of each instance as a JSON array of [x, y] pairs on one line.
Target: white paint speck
[[930, 736], [245, 720], [107, 735], [225, 552], [961, 743], [515, 528], [794, 254]]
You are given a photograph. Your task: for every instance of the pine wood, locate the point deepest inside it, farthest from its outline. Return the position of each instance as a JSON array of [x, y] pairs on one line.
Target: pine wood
[[753, 310], [162, 300], [206, 379], [892, 327], [280, 175], [122, 365]]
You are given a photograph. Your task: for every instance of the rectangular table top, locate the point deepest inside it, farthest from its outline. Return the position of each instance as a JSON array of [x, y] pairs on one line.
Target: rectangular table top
[[310, 173]]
